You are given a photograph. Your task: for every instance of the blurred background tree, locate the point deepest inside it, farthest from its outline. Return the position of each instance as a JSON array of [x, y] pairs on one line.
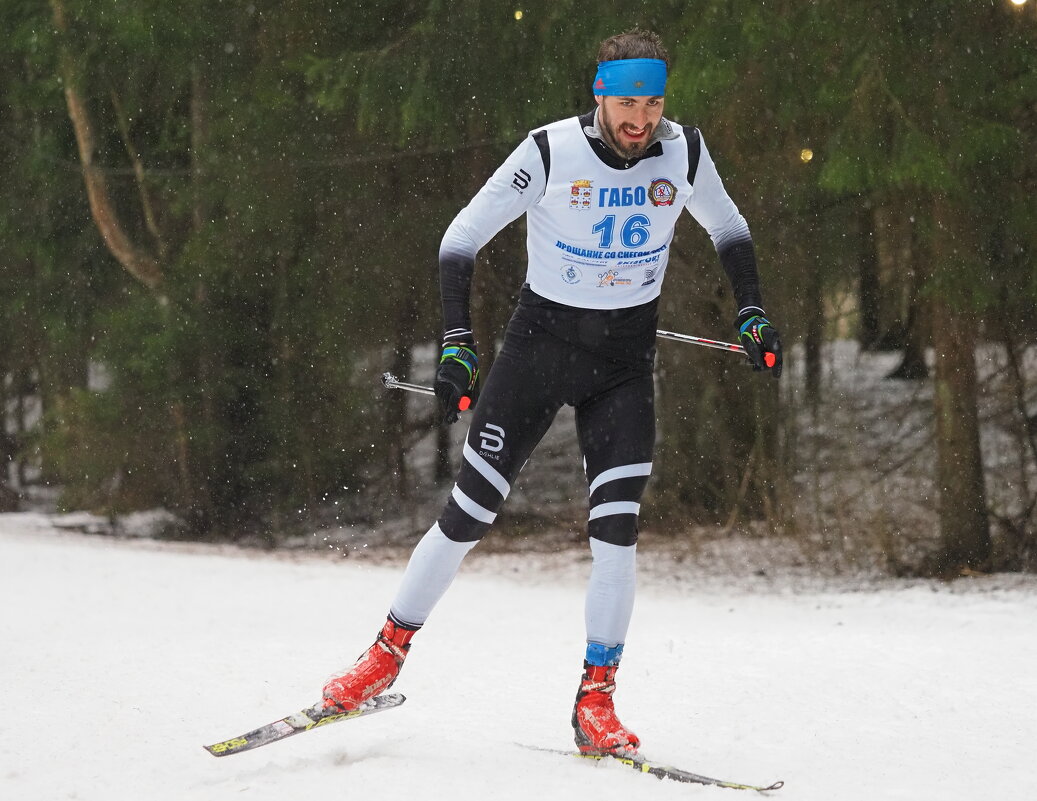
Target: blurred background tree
[[220, 223]]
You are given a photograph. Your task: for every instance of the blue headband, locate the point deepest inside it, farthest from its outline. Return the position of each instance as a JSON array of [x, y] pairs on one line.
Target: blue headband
[[631, 77]]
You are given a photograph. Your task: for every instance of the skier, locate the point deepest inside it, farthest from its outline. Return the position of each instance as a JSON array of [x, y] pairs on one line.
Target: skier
[[601, 193]]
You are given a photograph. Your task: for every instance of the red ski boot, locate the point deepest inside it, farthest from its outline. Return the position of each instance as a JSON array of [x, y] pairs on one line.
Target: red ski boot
[[374, 672], [597, 729]]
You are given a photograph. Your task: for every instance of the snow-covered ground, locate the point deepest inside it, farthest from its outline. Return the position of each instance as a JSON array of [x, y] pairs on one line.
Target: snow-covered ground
[[121, 658]]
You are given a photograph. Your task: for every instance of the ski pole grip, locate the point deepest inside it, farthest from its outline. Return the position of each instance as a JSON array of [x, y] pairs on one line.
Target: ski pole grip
[[464, 403], [769, 359]]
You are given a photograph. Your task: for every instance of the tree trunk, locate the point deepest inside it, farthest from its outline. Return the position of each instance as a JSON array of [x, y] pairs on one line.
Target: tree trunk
[[396, 402], [916, 332], [198, 457], [964, 522], [964, 526], [890, 236], [815, 308], [868, 287], [136, 261], [396, 417]]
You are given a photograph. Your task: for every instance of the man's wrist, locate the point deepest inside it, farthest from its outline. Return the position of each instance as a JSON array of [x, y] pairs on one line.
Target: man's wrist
[[458, 336]]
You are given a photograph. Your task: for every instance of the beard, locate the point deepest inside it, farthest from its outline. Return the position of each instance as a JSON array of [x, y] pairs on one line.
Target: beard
[[632, 150]]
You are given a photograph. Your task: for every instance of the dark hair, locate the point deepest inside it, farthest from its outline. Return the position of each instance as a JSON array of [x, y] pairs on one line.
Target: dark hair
[[633, 44]]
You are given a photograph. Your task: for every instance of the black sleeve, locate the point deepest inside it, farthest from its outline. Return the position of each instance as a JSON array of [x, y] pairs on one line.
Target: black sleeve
[[455, 286], [739, 261]]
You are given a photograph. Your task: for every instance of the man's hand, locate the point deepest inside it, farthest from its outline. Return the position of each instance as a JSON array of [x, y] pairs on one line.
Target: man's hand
[[457, 379], [760, 340]]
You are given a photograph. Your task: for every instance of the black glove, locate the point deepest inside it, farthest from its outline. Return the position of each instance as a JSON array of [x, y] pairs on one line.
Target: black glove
[[760, 340], [457, 379]]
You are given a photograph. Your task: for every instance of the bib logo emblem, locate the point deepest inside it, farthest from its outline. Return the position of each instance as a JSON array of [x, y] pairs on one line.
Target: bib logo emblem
[[662, 192], [580, 194], [612, 278], [571, 274]]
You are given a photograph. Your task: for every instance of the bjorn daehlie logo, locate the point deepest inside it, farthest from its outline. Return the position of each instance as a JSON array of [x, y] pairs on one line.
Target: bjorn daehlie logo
[[489, 441], [522, 179]]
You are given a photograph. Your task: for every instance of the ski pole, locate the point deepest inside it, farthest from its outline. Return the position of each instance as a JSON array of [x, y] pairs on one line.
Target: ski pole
[[389, 381], [768, 357]]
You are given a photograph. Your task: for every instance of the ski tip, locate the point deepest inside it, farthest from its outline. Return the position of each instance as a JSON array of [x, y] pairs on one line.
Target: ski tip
[[227, 747]]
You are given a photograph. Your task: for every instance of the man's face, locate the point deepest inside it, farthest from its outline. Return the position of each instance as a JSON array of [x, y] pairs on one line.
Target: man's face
[[629, 122]]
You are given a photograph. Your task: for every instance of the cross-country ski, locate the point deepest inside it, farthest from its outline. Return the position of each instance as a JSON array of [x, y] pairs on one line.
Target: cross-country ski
[[305, 720], [642, 764]]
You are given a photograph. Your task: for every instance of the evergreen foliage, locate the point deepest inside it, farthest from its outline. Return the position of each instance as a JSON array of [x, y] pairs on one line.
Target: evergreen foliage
[[288, 168]]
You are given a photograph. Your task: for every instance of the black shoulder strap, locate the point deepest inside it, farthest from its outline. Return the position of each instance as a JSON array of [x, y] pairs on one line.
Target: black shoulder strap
[[540, 137], [694, 149]]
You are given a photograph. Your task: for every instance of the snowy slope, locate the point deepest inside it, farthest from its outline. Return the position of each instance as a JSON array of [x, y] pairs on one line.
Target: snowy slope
[[120, 659]]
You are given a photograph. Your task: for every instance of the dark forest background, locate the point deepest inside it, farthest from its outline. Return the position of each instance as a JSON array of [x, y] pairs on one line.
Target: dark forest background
[[219, 222]]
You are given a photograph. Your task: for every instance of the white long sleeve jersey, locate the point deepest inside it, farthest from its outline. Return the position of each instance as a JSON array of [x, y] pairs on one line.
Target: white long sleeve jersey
[[597, 237]]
